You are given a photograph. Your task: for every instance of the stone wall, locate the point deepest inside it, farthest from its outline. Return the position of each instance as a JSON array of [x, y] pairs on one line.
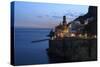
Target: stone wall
[[74, 48]]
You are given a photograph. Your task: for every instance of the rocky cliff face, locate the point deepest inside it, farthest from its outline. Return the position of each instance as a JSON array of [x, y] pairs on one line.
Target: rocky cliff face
[[92, 12], [91, 27]]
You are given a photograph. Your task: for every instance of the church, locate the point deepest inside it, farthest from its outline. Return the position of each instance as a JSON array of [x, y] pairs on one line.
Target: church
[[62, 29]]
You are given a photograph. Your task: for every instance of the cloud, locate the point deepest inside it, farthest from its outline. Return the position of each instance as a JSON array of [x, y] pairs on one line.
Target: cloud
[[39, 16], [47, 15], [70, 14], [57, 17], [73, 15]]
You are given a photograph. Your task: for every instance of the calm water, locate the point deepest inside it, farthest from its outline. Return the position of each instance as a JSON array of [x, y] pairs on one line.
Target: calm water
[[27, 52]]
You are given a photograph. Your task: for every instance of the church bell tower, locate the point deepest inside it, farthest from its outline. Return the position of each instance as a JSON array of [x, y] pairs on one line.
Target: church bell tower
[[64, 20]]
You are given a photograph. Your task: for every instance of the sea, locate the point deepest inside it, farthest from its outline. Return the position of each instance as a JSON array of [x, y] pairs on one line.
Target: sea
[[31, 44], [28, 52]]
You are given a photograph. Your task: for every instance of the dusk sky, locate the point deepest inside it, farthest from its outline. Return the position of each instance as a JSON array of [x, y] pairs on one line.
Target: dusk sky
[[45, 15]]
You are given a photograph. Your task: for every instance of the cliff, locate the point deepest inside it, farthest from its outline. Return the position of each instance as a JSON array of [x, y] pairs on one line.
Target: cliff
[[91, 27]]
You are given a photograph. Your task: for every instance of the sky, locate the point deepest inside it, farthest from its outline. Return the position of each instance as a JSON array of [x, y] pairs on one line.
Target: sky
[[45, 15]]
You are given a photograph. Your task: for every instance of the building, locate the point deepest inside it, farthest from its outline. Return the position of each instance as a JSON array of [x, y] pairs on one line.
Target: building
[[62, 29]]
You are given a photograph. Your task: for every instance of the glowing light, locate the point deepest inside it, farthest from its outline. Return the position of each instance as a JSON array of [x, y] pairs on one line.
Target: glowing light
[[95, 36], [80, 35], [72, 35], [85, 35]]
